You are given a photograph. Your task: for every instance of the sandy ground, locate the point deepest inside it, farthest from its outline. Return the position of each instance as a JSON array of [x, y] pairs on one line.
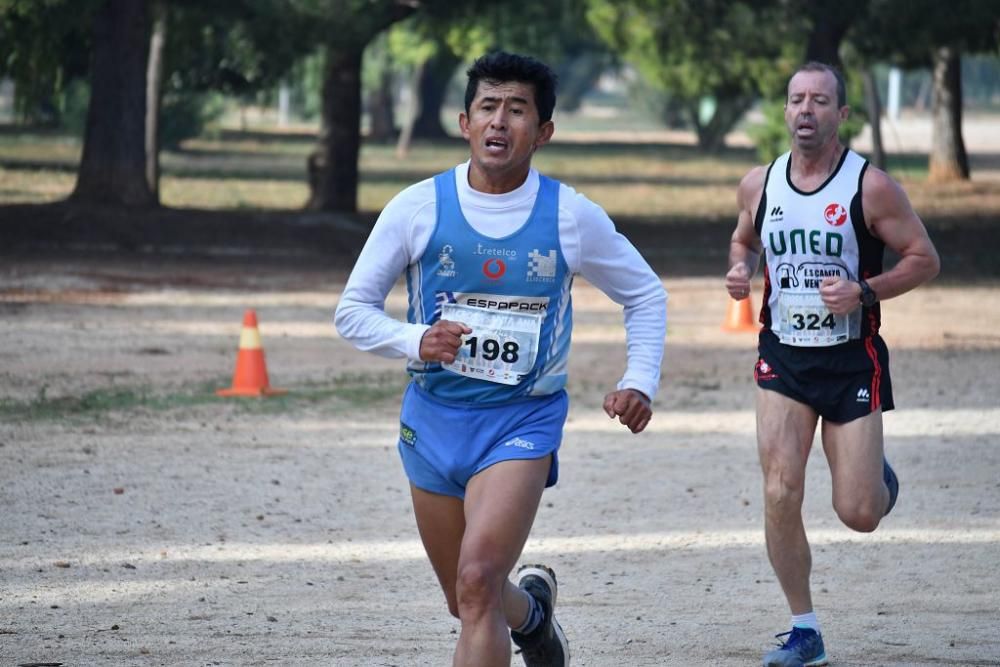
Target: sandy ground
[[280, 532]]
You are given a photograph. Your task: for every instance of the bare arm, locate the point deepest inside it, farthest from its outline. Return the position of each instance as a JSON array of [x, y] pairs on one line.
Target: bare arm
[[889, 217], [744, 246]]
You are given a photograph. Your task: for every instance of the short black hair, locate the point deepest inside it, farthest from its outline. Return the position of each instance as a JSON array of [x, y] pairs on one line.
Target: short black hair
[[817, 66], [500, 67]]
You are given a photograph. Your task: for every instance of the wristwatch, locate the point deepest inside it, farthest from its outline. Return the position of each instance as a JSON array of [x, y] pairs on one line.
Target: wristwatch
[[867, 297]]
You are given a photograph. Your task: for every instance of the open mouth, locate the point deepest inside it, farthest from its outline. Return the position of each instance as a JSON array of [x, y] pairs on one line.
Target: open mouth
[[496, 144], [805, 128]]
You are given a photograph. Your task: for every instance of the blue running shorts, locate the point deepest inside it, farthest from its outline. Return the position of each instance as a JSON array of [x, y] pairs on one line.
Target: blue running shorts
[[443, 443]]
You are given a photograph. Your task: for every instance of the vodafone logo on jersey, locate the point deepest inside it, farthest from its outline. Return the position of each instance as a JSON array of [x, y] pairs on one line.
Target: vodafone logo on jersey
[[494, 268], [835, 214]]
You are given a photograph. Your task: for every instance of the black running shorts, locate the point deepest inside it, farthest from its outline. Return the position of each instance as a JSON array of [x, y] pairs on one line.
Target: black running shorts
[[841, 383]]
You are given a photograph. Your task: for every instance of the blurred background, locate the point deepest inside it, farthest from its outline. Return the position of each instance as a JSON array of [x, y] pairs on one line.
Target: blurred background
[[148, 124]]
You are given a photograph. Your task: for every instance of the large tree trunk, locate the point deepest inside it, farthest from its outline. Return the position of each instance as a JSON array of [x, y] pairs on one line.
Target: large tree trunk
[[831, 20], [333, 167], [874, 104], [154, 78], [112, 168], [948, 160], [433, 86]]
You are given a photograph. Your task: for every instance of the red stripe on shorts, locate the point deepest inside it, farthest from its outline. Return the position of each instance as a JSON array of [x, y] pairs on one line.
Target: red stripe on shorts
[[876, 400]]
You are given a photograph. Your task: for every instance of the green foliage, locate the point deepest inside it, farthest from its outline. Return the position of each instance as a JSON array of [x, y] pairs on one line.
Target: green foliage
[[44, 45], [185, 115], [724, 50], [74, 99], [770, 137]]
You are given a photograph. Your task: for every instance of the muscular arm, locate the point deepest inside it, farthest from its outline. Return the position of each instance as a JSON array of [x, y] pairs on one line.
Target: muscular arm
[[890, 218], [744, 247]]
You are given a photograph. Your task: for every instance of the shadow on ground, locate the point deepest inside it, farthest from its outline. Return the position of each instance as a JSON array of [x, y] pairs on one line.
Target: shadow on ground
[[673, 246]]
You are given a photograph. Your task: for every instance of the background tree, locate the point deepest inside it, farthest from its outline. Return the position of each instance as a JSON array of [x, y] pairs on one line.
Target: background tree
[[925, 33], [113, 165], [445, 35], [712, 57], [346, 26], [44, 44]]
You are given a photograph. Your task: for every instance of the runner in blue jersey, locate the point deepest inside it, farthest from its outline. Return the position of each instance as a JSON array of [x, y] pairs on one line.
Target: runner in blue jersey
[[822, 216], [489, 250]]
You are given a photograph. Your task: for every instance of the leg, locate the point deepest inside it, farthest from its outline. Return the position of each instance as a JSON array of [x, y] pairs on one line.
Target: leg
[[441, 523], [500, 506], [785, 430], [854, 451]]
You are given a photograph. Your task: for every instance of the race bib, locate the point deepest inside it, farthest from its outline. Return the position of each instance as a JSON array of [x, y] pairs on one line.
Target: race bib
[[806, 322], [502, 347]]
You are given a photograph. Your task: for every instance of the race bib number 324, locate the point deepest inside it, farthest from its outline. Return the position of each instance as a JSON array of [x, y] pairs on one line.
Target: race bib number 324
[[806, 322]]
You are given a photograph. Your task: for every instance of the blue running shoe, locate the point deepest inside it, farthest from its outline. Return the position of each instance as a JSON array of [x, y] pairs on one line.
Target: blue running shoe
[[889, 476], [803, 648]]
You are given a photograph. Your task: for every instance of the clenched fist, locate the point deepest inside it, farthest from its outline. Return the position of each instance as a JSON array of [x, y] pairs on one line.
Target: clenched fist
[[630, 406], [442, 340], [840, 296], [738, 281]]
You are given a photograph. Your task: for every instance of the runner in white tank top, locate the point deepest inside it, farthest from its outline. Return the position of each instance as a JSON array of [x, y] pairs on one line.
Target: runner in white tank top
[[821, 215]]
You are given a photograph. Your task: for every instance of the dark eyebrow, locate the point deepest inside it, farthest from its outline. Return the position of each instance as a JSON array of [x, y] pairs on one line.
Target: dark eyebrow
[[497, 100]]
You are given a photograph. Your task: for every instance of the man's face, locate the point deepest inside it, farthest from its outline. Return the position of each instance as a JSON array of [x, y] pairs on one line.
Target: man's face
[[811, 111], [502, 128]]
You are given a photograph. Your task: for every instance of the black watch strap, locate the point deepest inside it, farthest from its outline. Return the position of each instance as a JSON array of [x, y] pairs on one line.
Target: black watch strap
[[867, 297]]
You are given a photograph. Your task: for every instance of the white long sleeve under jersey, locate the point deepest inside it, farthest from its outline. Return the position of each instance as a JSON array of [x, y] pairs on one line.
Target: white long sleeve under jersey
[[590, 245]]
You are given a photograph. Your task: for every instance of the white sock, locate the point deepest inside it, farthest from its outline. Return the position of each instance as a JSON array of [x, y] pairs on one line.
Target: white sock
[[534, 617], [808, 620]]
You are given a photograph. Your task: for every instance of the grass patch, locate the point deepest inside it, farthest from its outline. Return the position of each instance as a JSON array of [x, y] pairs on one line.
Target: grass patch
[[341, 393], [232, 170]]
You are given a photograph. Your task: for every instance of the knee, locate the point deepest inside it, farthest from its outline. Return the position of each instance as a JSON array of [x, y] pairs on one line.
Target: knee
[[862, 517], [453, 605], [783, 492], [478, 587]]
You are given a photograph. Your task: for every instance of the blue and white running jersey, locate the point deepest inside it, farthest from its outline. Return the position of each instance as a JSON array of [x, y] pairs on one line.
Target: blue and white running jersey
[[523, 272]]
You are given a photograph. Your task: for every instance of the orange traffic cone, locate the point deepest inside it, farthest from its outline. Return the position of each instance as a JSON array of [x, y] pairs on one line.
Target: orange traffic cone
[[740, 317], [250, 378]]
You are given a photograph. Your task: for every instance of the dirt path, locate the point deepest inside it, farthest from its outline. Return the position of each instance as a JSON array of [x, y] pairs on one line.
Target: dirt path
[[280, 532]]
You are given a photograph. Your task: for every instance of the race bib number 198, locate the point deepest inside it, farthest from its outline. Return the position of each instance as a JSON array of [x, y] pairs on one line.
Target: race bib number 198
[[502, 347]]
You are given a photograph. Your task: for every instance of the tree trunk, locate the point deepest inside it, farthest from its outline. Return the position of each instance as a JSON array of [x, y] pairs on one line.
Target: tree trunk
[[406, 135], [948, 160], [874, 118], [824, 44], [433, 86], [380, 109], [333, 167], [831, 20], [728, 112], [154, 78], [112, 168]]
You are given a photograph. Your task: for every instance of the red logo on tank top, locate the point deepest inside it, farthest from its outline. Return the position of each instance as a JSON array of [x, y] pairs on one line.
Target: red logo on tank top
[[494, 268], [835, 214]]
